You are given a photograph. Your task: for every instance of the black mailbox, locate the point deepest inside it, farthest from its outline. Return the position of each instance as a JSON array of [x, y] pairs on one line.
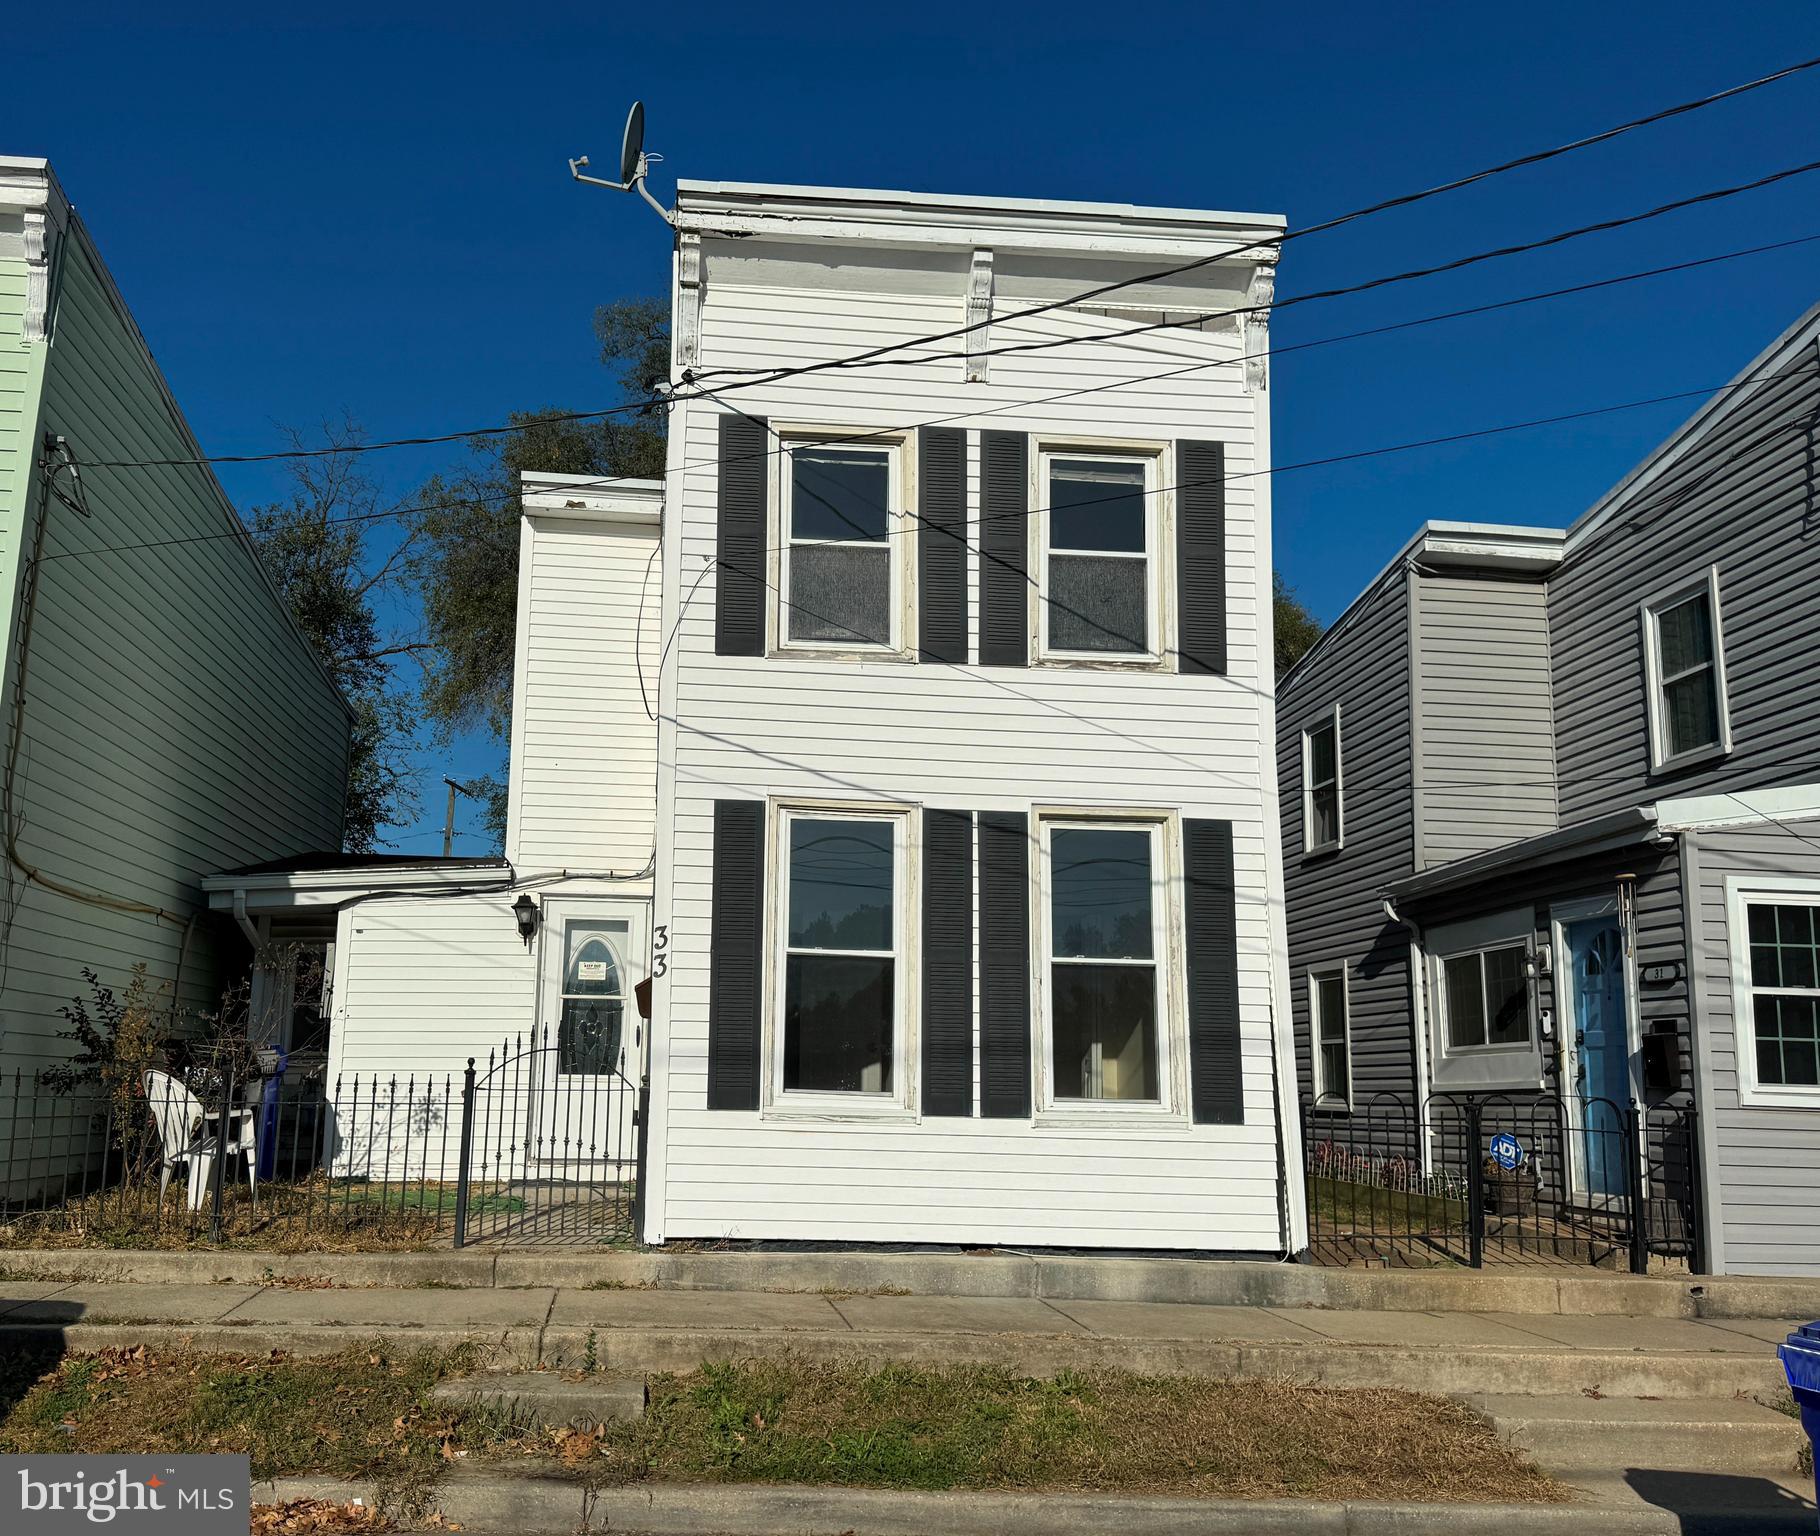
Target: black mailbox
[[1662, 1063]]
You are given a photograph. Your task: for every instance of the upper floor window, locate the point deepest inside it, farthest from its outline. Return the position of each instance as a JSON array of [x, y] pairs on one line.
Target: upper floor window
[[1684, 655], [1099, 572], [1322, 808], [841, 581]]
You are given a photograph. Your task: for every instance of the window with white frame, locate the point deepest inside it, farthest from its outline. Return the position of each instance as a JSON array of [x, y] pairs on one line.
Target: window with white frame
[[1330, 1038], [1106, 988], [1685, 658], [841, 576], [1100, 534], [1781, 986], [1322, 807], [1485, 998], [842, 973]]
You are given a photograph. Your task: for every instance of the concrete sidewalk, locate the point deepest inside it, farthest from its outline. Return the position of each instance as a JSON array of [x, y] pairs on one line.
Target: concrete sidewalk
[[652, 1330], [1540, 1288]]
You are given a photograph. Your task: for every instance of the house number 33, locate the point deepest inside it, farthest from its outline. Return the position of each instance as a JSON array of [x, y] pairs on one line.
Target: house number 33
[[660, 951]]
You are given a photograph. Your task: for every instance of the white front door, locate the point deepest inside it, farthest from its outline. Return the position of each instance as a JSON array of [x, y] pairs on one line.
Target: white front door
[[589, 1039]]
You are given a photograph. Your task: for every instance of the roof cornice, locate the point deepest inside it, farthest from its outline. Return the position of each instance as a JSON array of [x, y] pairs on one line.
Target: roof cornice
[[749, 209]]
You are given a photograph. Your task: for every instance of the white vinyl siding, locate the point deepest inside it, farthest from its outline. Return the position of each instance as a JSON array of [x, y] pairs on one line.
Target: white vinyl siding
[[584, 748], [966, 738], [176, 722]]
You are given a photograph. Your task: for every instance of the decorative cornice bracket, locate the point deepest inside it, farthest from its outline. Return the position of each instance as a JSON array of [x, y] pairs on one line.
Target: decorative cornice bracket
[[979, 315]]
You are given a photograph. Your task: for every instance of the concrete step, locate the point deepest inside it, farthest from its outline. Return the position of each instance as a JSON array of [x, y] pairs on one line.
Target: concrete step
[[1568, 1433], [545, 1397]]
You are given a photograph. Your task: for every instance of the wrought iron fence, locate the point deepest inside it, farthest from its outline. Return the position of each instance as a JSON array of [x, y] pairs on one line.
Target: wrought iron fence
[[535, 1146], [550, 1145], [228, 1153], [1501, 1178]]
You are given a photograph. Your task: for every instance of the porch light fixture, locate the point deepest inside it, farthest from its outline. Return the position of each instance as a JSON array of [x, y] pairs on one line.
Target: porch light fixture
[[525, 910]]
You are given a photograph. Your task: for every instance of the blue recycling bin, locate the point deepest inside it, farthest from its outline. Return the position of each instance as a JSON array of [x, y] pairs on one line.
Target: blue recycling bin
[[1801, 1360], [269, 1118]]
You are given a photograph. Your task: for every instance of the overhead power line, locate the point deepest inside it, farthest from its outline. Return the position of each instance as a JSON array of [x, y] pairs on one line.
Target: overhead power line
[[1402, 200], [607, 481], [1383, 205]]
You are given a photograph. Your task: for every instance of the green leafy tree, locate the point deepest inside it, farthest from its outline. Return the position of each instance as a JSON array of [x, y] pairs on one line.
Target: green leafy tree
[[315, 543], [1296, 628], [464, 560]]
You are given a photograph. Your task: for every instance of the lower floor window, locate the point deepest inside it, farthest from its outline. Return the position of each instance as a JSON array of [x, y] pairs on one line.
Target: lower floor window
[[1105, 984], [1332, 1051], [1785, 993], [1485, 995], [841, 946]]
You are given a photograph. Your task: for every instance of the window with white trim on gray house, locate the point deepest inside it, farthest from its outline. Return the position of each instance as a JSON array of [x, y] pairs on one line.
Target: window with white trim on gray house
[[1685, 661], [1330, 1036], [1486, 997], [1322, 826], [1785, 993]]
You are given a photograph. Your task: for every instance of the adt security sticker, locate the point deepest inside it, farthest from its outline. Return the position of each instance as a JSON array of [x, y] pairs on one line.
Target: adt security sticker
[[1506, 1150]]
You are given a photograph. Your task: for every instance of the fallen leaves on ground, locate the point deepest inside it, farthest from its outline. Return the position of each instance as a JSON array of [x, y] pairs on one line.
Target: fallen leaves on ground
[[319, 1517]]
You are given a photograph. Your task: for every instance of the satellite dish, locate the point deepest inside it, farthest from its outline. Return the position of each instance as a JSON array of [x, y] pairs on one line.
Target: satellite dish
[[632, 147]]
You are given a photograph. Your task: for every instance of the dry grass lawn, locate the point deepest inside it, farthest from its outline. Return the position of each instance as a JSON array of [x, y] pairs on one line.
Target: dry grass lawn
[[369, 1414]]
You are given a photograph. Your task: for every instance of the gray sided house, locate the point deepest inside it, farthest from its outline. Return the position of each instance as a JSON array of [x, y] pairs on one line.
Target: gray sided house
[[163, 716], [1551, 807]]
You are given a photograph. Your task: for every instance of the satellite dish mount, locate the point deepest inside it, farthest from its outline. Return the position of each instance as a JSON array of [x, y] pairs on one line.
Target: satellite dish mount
[[634, 163]]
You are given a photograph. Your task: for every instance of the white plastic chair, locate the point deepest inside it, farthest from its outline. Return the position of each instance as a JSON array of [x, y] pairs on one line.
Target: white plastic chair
[[185, 1137]]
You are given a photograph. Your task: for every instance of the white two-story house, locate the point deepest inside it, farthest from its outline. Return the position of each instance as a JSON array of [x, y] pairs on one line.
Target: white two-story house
[[920, 750]]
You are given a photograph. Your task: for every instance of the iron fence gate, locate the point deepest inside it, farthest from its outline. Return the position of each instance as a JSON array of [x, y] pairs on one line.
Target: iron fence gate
[[549, 1147], [1505, 1178]]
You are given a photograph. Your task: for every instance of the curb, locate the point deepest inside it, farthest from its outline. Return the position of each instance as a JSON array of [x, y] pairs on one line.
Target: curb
[[545, 1505], [1213, 1282]]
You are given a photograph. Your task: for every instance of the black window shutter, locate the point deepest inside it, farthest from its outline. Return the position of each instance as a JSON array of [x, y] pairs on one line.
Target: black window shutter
[[1214, 1066], [1200, 555], [739, 542], [1004, 547], [947, 962], [1005, 964], [941, 577], [735, 954]]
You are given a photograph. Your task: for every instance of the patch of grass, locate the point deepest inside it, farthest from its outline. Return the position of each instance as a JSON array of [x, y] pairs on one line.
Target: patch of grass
[[975, 1427], [1339, 1205], [1784, 1402], [366, 1413]]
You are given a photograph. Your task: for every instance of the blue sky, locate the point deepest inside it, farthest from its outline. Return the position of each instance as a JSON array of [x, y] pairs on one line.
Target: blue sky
[[368, 211]]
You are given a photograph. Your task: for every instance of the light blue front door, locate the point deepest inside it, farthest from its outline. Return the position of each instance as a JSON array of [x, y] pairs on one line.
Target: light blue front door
[[1602, 1050]]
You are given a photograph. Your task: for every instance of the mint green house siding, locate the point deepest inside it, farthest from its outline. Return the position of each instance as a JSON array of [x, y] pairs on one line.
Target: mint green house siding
[[175, 722]]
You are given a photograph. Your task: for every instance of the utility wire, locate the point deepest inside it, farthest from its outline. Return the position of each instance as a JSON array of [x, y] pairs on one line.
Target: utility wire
[[1191, 321], [1402, 201], [1269, 354]]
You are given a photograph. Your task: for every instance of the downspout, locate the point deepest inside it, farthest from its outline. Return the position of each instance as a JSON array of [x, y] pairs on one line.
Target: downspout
[[245, 922], [1419, 1018]]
